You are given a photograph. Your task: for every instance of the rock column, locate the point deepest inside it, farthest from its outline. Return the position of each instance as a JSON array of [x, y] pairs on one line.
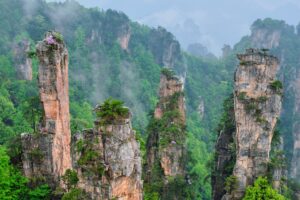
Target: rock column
[[52, 143], [257, 106], [108, 161], [166, 141]]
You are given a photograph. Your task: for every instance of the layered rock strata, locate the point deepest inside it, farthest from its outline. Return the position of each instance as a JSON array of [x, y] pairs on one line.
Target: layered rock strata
[[257, 106], [52, 143]]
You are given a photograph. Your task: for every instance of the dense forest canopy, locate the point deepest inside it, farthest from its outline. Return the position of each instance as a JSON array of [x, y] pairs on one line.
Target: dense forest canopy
[[103, 65]]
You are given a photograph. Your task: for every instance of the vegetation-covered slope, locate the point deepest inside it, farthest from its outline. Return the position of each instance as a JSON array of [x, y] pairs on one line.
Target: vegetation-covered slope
[[102, 65], [111, 56]]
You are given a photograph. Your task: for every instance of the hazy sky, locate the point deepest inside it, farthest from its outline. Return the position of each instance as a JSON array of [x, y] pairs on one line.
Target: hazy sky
[[210, 22]]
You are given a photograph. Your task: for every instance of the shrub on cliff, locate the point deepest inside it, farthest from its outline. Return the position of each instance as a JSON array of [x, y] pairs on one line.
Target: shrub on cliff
[[262, 190], [70, 179], [111, 110], [75, 194], [276, 85], [168, 73], [231, 184]]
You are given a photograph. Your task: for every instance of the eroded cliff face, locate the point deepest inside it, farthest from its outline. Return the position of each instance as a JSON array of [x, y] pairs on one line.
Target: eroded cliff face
[[201, 108], [108, 162], [124, 37], [166, 51], [257, 106], [171, 92], [22, 62], [224, 151], [265, 38], [166, 141], [295, 165], [52, 143]]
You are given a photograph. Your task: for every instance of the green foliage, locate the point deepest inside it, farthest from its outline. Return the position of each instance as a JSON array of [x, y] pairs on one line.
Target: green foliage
[[262, 190], [172, 102], [58, 37], [251, 106], [12, 183], [89, 158], [276, 86], [246, 63], [168, 73], [80, 145], [151, 196], [111, 110], [42, 192], [231, 184], [36, 154], [33, 111], [177, 188], [221, 173], [14, 151], [70, 179], [269, 24], [81, 116], [261, 120], [262, 99], [169, 127], [242, 96], [291, 189], [141, 140], [75, 194], [99, 68], [154, 188], [31, 54]]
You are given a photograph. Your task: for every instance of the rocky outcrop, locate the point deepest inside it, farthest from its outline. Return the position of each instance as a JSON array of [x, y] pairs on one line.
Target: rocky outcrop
[[22, 61], [124, 37], [37, 158], [201, 108], [166, 141], [52, 143], [108, 162], [164, 47], [170, 86], [257, 106], [265, 38], [278, 35]]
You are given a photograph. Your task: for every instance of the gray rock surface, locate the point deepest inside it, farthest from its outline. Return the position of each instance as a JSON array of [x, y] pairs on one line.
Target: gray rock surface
[[257, 107]]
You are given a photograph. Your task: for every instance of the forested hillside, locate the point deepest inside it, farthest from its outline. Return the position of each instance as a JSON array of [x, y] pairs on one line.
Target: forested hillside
[[112, 56], [281, 40]]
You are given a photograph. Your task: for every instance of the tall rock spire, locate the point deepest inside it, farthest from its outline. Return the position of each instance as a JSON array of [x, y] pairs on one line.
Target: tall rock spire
[[52, 143], [257, 106], [54, 93], [166, 142]]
